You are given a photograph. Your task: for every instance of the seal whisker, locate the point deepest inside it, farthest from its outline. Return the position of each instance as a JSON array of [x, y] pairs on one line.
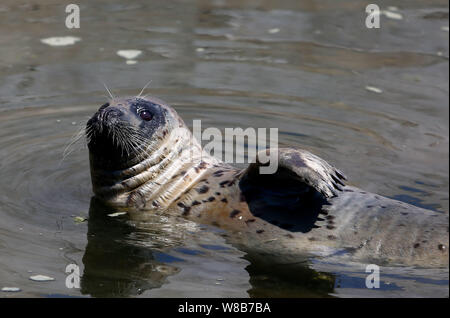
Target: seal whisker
[[128, 139], [124, 142], [73, 140], [137, 145], [144, 89], [109, 92], [88, 131]]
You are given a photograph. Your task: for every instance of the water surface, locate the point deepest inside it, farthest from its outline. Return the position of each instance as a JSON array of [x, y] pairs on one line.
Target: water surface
[[302, 67]]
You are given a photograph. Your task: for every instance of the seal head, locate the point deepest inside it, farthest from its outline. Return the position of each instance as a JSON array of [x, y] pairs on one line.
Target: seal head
[[121, 130], [136, 145]]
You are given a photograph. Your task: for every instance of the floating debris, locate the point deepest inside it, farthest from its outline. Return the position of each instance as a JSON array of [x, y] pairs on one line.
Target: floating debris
[[131, 62], [11, 289], [444, 28], [374, 89], [60, 40], [129, 54], [200, 49], [113, 215], [79, 219], [165, 269], [230, 37], [41, 278], [273, 31], [392, 15], [392, 8]]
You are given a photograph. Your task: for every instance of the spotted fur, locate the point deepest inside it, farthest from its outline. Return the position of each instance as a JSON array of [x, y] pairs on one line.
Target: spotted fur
[[304, 208]]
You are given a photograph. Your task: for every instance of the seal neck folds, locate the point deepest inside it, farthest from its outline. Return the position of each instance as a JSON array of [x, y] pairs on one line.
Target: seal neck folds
[[161, 174]]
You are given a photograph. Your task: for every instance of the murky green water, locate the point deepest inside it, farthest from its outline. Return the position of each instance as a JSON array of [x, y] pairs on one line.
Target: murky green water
[[302, 67]]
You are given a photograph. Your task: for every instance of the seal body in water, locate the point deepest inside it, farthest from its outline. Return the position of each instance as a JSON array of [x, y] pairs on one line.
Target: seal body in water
[[144, 158]]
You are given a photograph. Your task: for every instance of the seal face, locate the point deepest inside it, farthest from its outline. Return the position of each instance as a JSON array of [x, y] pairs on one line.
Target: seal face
[[144, 158], [118, 131], [136, 147]]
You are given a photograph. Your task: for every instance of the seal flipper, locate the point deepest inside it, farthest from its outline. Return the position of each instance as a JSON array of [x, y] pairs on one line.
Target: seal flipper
[[291, 198]]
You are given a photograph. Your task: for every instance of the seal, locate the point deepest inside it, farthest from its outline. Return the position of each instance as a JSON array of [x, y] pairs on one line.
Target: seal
[[144, 159]]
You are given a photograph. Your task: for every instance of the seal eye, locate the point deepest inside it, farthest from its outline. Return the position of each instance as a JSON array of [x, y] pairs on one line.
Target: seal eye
[[145, 115]]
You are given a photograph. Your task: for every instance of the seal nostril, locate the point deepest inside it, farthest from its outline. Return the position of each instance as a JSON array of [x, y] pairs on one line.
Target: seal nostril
[[111, 112]]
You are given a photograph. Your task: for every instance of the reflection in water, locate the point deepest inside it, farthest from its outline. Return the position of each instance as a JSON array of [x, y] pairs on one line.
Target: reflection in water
[[218, 62], [287, 280], [126, 258], [114, 267], [120, 261]]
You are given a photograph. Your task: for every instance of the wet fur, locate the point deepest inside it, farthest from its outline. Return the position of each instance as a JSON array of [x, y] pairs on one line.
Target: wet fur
[[304, 209]]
